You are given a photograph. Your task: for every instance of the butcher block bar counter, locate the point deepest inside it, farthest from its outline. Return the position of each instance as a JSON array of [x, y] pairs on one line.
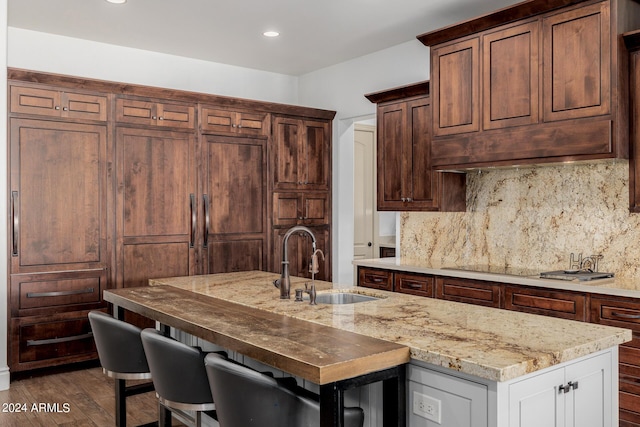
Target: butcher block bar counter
[[496, 350]]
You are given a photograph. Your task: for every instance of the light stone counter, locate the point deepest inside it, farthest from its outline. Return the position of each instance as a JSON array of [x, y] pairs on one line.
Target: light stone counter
[[624, 287], [493, 344]]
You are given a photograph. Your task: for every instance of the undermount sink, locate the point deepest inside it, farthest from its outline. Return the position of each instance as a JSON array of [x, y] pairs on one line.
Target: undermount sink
[[343, 298]]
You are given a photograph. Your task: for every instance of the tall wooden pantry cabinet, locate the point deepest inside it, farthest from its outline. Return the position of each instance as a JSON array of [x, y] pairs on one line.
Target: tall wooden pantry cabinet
[[114, 184]]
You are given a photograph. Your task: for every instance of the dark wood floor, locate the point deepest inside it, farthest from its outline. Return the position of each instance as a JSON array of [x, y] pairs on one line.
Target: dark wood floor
[[83, 397]]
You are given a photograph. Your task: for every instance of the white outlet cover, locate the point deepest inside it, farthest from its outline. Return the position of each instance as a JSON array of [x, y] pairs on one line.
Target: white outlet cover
[[427, 407]]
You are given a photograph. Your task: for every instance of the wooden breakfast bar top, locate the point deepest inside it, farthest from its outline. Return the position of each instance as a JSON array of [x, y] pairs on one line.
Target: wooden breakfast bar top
[[318, 353]]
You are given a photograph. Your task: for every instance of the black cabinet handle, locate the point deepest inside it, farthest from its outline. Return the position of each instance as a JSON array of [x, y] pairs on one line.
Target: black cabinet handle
[[15, 221], [192, 202], [207, 220]]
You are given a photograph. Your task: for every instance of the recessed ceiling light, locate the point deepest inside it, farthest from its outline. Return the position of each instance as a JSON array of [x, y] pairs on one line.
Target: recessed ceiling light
[[271, 34], [117, 1]]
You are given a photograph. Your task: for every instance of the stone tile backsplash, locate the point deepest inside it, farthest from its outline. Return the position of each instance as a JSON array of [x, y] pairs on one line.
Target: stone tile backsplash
[[533, 218]]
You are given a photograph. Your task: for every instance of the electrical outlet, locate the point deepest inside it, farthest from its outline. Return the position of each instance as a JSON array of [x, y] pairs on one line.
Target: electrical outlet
[[427, 407]]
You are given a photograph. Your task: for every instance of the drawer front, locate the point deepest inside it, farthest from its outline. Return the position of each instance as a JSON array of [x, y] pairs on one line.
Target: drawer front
[[468, 291], [42, 342], [414, 284], [623, 313], [38, 294], [376, 279], [565, 305]]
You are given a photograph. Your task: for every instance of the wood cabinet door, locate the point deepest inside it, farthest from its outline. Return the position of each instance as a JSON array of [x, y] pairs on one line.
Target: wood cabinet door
[[392, 128], [57, 103], [58, 196], [299, 251], [156, 181], [291, 208], [511, 75], [455, 77], [302, 154], [577, 63], [419, 180], [216, 120], [176, 115], [634, 146], [315, 166], [234, 199]]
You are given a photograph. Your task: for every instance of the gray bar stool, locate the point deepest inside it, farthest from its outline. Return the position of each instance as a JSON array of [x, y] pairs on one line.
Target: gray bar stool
[[245, 398], [122, 358], [178, 374]]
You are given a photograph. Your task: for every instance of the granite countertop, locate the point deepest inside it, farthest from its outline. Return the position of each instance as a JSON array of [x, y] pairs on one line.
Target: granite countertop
[[617, 286], [497, 345]]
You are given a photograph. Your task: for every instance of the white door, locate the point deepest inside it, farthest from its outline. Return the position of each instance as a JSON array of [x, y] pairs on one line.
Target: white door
[[364, 191]]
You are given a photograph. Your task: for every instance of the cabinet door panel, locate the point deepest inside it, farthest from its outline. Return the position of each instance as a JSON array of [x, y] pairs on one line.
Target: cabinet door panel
[[577, 63], [456, 75], [29, 100], [536, 401], [286, 140], [236, 255], [316, 154], [253, 123], [419, 179], [236, 184], [157, 178], [634, 159], [177, 116], [286, 208], [511, 73], [316, 208], [135, 111], [391, 124], [58, 189], [214, 120], [84, 106]]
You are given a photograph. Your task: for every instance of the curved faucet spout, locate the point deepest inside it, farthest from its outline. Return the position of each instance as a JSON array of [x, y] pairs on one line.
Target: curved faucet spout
[[284, 282]]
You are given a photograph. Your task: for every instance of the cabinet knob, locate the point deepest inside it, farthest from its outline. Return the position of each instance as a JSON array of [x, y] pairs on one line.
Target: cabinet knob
[[233, 125], [160, 118], [65, 109], [239, 126], [369, 244], [404, 199], [409, 199], [56, 107], [154, 117]]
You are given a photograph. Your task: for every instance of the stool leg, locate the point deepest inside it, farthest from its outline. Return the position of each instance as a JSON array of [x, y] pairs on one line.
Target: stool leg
[[164, 416], [121, 403]]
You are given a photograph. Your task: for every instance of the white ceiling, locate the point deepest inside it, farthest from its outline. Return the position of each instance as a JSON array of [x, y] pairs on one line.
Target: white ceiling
[[314, 33]]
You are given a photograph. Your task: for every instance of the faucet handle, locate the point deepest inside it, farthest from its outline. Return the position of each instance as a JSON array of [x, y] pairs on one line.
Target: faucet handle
[[314, 265]]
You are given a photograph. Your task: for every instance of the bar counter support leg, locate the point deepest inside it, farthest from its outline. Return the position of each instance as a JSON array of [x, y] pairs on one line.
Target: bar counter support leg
[[331, 405]]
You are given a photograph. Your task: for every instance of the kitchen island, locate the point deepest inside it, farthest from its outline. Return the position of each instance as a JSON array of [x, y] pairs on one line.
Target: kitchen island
[[471, 360]]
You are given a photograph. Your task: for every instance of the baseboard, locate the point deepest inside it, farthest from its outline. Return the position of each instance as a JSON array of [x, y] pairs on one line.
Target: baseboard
[[4, 378]]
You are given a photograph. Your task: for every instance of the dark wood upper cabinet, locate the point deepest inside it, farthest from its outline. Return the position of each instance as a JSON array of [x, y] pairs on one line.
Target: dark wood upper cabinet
[[223, 121], [456, 74], [302, 154], [547, 78], [44, 101], [577, 63], [511, 76], [406, 180], [155, 113], [633, 42]]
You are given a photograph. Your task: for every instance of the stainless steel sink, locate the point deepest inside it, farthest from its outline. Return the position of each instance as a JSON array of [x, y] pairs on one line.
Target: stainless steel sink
[[343, 298]]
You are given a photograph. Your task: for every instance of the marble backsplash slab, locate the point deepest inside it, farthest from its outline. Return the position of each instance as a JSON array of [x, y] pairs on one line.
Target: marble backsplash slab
[[533, 218]]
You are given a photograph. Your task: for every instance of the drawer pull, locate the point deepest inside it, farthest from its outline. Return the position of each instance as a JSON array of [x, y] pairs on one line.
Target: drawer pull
[[15, 222], [31, 343], [625, 316], [59, 293], [414, 285], [376, 280]]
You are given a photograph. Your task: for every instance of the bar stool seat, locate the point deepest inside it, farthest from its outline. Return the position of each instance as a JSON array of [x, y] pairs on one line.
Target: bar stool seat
[[179, 375], [122, 358], [246, 398]]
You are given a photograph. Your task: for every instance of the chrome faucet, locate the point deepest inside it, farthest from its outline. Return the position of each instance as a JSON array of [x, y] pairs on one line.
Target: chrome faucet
[[284, 283]]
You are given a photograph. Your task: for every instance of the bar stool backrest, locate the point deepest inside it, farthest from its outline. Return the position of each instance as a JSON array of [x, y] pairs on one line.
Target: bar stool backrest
[[245, 398], [178, 370], [119, 347]]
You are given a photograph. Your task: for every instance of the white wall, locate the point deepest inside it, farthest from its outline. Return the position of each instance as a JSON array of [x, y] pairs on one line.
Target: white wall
[[342, 88], [64, 55]]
